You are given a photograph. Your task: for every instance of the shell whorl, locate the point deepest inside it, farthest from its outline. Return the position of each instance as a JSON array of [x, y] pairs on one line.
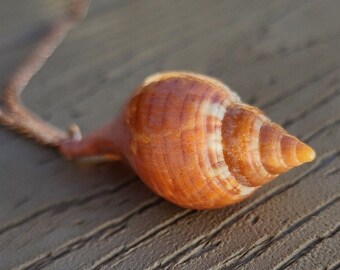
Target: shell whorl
[[258, 150], [193, 142]]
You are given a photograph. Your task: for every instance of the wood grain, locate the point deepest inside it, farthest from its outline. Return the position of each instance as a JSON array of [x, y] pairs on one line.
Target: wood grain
[[282, 56]]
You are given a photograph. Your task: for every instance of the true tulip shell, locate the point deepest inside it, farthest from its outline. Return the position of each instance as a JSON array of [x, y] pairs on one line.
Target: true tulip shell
[[193, 142]]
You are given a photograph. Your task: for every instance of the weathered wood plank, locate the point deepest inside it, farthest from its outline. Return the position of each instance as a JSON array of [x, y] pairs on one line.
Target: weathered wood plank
[[282, 56]]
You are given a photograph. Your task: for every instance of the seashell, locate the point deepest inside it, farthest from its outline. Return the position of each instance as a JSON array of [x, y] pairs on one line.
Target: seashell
[[193, 142], [188, 136]]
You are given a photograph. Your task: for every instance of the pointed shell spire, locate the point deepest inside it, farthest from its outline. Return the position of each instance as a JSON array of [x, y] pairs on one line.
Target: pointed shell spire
[[258, 150], [280, 151]]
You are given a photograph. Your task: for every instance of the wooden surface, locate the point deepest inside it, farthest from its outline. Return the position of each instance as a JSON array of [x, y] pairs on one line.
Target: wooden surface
[[283, 56]]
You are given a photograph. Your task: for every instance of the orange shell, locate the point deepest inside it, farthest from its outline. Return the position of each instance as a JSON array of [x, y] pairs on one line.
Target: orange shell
[[194, 143]]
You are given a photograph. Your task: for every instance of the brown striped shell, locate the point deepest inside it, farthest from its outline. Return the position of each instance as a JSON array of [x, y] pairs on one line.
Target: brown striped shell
[[193, 141]]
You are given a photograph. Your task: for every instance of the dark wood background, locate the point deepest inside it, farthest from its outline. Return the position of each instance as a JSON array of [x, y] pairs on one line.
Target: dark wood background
[[282, 56]]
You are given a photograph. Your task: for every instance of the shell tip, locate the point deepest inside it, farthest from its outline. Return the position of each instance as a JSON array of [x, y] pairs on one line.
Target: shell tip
[[305, 153]]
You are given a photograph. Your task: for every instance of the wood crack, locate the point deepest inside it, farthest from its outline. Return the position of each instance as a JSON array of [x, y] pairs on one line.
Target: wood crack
[[332, 172], [317, 132], [312, 108], [123, 251], [199, 251], [298, 88], [244, 257], [63, 206], [306, 248], [112, 226], [312, 43]]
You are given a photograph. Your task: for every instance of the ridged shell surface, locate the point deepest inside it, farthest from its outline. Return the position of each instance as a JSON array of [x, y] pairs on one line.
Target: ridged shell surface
[[176, 141], [194, 143]]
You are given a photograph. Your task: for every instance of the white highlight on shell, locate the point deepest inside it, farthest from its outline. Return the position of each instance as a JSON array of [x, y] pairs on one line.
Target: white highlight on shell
[[245, 190], [254, 147], [204, 107], [214, 140], [222, 171], [215, 143], [216, 110]]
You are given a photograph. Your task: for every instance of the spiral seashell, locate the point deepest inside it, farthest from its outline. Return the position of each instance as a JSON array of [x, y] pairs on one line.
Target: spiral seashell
[[194, 142]]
